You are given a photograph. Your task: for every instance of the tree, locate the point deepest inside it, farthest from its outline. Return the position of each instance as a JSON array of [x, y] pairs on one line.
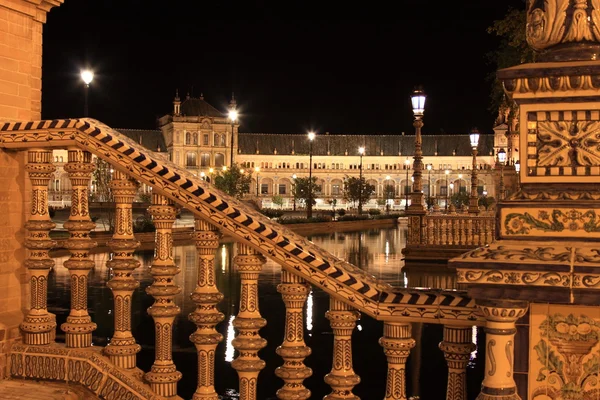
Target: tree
[[233, 181], [512, 50], [356, 189], [302, 190], [389, 193], [459, 198], [277, 200]]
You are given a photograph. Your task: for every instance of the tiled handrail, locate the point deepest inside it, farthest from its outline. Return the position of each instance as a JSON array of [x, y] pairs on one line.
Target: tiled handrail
[[293, 252]]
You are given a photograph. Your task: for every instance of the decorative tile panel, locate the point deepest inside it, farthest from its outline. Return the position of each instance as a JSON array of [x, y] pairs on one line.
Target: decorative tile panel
[[563, 222]]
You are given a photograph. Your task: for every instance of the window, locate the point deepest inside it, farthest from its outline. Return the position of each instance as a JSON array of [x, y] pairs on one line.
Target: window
[[219, 160], [443, 190], [205, 159], [223, 141], [406, 189], [191, 160], [335, 190], [205, 140], [282, 188], [217, 140], [264, 188], [195, 138], [188, 138]]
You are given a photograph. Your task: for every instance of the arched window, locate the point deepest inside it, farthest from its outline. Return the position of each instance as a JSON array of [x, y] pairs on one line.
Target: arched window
[[217, 141], [223, 140], [195, 138], [188, 138], [191, 160], [219, 160], [204, 159]]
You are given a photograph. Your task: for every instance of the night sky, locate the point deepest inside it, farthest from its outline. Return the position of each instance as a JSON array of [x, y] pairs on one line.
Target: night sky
[[338, 67]]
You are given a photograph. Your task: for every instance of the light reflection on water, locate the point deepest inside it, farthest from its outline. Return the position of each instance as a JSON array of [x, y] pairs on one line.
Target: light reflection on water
[[376, 251]]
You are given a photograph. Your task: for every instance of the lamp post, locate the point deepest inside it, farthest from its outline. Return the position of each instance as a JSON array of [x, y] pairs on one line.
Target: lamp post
[[429, 167], [406, 185], [502, 160], [518, 170], [257, 170], [474, 199], [202, 176], [311, 137], [361, 152], [451, 190], [447, 172], [87, 76], [233, 117], [294, 190], [418, 105]]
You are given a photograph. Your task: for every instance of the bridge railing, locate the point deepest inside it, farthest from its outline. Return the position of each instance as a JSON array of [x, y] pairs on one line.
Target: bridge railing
[[458, 230], [112, 372]]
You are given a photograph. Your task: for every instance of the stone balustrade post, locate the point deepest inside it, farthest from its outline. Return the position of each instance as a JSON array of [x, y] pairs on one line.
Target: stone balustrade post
[[39, 325], [206, 295], [163, 375], [397, 342], [342, 377], [122, 348], [79, 326], [500, 329], [248, 322], [294, 291], [457, 347]]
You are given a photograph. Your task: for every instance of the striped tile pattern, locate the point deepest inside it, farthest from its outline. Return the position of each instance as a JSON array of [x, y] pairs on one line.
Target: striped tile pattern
[[293, 252]]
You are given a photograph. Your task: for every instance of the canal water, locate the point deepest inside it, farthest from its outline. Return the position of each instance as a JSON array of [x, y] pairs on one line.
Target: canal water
[[376, 251]]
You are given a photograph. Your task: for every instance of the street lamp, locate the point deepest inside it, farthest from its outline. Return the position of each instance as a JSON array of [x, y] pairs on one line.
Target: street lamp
[[406, 185], [418, 105], [447, 172], [518, 170], [502, 160], [361, 152], [202, 175], [473, 199], [233, 117], [257, 170], [294, 190], [87, 76], [311, 137], [429, 167]]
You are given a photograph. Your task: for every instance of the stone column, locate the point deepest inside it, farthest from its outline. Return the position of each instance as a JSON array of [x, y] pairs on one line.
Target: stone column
[[457, 347], [397, 342], [163, 375], [500, 329], [122, 348], [342, 377], [293, 350], [206, 316], [79, 326], [38, 325], [248, 322]]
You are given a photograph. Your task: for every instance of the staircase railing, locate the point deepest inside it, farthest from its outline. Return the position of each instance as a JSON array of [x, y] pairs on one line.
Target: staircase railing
[[112, 372]]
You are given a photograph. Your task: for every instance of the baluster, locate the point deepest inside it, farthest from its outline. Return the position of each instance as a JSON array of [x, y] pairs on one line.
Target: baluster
[[480, 232], [430, 231], [248, 322], [206, 316], [294, 291], [448, 231], [461, 227], [396, 342], [79, 326], [470, 232], [452, 231], [39, 325], [163, 375], [122, 348], [457, 348], [342, 377], [491, 232], [486, 229]]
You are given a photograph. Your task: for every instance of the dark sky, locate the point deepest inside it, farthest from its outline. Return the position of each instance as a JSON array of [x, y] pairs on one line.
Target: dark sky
[[341, 67]]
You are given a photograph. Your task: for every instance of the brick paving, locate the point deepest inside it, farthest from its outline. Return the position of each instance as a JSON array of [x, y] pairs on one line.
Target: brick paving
[[17, 389]]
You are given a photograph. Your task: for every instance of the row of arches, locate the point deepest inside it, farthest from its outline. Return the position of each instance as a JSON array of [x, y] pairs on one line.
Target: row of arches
[[195, 139]]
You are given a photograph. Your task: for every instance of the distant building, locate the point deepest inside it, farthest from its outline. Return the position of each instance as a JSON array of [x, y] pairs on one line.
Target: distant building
[[197, 136]]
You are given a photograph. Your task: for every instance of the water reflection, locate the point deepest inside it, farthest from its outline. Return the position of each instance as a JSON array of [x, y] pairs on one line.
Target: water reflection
[[376, 251]]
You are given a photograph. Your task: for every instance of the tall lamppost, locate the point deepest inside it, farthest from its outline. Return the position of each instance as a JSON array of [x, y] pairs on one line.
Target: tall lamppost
[[406, 185], [502, 160], [361, 152], [447, 172], [257, 170], [294, 190], [233, 117], [311, 137], [518, 170], [474, 198], [418, 105], [87, 76]]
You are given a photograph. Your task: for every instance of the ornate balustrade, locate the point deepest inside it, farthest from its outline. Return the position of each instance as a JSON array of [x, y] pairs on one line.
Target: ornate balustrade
[[458, 230], [111, 372]]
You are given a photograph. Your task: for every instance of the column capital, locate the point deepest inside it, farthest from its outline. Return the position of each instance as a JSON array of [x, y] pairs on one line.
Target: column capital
[[502, 310]]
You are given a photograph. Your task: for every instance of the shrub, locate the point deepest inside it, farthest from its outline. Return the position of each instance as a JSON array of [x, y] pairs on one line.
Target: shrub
[[302, 220], [354, 217], [144, 224], [374, 211], [271, 212], [341, 212]]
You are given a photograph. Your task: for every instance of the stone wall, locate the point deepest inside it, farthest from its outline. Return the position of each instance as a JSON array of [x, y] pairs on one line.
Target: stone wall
[[21, 23]]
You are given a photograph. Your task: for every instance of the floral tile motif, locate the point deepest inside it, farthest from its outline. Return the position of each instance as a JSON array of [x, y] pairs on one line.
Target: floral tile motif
[[551, 222], [564, 359]]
